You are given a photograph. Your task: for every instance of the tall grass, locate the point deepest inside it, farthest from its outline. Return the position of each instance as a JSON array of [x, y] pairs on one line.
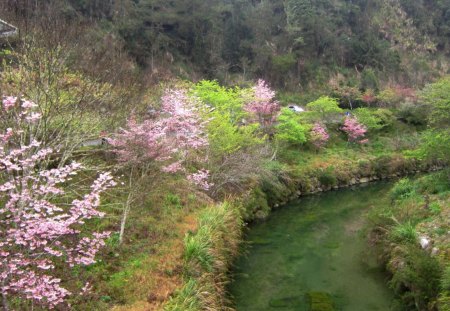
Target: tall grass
[[207, 256]]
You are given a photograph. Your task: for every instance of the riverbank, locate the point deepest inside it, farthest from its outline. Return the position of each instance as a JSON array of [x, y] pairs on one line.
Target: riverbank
[[411, 238], [206, 286]]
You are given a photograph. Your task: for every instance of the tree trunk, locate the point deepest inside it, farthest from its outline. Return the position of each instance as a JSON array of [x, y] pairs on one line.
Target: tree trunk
[[4, 298], [126, 209]]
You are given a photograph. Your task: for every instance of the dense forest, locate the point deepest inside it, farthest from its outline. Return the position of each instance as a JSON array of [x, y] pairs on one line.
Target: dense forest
[[139, 139], [292, 44]]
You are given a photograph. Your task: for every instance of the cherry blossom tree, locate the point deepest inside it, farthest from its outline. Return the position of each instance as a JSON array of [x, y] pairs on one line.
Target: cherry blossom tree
[[168, 138], [38, 231], [176, 133], [264, 106], [319, 135], [354, 130]]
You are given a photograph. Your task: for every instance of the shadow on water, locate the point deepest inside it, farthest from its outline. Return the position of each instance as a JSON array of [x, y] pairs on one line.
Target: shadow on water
[[310, 255]]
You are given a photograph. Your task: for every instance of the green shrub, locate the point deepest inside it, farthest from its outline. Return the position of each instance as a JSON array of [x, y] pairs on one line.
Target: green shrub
[[434, 183], [412, 113], [417, 280], [369, 80], [402, 189], [289, 129], [327, 177]]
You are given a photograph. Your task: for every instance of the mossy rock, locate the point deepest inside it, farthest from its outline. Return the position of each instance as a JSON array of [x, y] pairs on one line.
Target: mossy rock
[[320, 301]]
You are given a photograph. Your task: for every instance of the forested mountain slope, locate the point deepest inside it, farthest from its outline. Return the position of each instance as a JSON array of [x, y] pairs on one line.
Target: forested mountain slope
[[291, 43]]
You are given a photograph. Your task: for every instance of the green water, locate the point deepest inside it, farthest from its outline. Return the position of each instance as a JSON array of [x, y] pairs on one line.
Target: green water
[[312, 255]]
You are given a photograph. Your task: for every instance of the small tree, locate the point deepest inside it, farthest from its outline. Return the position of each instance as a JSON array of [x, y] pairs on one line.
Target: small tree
[[37, 230], [325, 107], [319, 135], [354, 130], [264, 106], [289, 129], [168, 139]]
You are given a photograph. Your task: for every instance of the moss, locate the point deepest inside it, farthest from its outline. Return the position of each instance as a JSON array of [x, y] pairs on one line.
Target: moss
[[320, 301]]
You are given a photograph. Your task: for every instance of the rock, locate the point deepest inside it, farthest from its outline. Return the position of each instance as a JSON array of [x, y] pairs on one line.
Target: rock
[[424, 242], [364, 180], [434, 251], [353, 181], [298, 193]]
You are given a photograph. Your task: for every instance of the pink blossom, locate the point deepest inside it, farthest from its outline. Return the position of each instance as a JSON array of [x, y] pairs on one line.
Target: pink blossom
[[34, 229], [319, 135], [173, 167], [27, 104], [9, 102], [355, 130], [200, 179], [263, 106], [176, 132]]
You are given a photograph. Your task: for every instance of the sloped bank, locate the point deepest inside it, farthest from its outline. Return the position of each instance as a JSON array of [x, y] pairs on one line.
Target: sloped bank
[[211, 249]]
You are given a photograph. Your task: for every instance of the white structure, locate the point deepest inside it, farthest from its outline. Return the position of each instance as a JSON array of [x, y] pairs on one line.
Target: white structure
[[296, 108], [7, 30]]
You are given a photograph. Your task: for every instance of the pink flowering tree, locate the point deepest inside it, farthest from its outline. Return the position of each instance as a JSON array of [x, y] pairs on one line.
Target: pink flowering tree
[[319, 135], [170, 138], [39, 227], [354, 130], [263, 106], [174, 136]]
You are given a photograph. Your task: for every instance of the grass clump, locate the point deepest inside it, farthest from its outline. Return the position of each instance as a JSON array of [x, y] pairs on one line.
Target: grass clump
[[208, 253]]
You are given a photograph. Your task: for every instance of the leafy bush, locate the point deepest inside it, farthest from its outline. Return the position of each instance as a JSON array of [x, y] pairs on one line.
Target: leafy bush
[[289, 128], [417, 280], [402, 189], [325, 108], [434, 183], [327, 177], [437, 97], [369, 80], [413, 113]]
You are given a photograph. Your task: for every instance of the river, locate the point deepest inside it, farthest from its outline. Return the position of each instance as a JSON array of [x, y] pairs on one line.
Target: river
[[312, 255]]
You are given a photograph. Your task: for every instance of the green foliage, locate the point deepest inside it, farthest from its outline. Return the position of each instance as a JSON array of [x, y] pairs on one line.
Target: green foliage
[[225, 100], [369, 80], [417, 281], [284, 63], [197, 248], [436, 145], [187, 299], [328, 177], [404, 232], [226, 134], [413, 113], [208, 252], [255, 205], [402, 189], [437, 97], [173, 201], [289, 129], [434, 183], [374, 119], [325, 108]]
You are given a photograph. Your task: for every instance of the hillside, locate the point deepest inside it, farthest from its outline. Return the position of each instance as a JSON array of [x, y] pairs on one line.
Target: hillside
[[139, 138]]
